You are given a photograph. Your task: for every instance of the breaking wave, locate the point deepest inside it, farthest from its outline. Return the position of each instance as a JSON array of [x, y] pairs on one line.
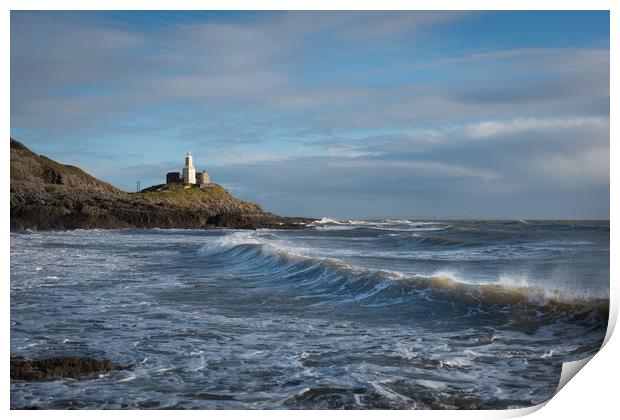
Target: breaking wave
[[331, 277], [383, 224]]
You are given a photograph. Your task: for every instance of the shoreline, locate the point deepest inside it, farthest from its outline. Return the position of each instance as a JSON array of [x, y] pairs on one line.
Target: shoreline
[[289, 225]]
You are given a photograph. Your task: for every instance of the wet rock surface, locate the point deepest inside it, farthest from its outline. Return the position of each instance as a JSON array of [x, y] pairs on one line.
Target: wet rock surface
[[23, 369]]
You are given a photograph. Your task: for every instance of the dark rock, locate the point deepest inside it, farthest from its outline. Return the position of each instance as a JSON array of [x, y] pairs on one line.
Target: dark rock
[[52, 177], [327, 398], [59, 367]]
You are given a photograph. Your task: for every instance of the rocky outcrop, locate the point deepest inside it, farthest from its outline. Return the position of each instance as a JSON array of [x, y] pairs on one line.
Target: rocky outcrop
[[48, 195], [59, 367]]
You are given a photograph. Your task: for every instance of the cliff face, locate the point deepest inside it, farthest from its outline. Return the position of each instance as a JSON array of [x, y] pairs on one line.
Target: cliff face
[[48, 195]]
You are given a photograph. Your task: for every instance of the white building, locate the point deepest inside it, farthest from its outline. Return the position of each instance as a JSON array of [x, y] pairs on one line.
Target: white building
[[189, 172]]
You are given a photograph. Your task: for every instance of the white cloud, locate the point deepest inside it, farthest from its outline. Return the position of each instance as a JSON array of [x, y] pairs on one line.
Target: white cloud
[[485, 129], [575, 168], [446, 170], [349, 153]]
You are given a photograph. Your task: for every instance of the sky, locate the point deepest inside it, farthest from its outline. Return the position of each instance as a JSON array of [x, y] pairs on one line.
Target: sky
[[501, 115]]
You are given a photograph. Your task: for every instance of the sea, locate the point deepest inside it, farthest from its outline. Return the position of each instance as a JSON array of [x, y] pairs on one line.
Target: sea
[[342, 314]]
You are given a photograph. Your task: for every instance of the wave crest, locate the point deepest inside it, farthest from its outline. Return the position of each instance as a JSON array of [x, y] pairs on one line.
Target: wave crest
[[334, 278], [327, 223]]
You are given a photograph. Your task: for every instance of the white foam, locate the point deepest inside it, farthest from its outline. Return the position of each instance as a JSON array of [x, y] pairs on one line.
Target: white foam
[[428, 383], [397, 225], [326, 220], [540, 293], [547, 355], [219, 244]]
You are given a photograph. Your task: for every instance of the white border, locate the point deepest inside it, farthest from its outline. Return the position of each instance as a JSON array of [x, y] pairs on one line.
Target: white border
[[309, 5], [591, 394]]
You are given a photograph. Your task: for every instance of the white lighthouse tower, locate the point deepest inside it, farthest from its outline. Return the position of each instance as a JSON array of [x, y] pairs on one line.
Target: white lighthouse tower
[[189, 172]]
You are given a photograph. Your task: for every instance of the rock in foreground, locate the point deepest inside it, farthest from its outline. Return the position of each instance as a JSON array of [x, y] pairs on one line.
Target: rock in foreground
[[59, 367]]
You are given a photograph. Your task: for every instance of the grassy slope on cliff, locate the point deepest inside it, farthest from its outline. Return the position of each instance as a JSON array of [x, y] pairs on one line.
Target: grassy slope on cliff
[[197, 198], [32, 171], [49, 195]]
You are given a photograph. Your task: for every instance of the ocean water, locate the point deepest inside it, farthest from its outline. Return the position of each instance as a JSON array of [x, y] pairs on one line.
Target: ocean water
[[395, 314]]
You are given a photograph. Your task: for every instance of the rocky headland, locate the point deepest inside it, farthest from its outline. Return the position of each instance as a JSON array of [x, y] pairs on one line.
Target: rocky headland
[[46, 194]]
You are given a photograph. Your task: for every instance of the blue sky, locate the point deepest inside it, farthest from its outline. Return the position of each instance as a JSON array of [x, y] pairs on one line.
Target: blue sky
[[341, 114]]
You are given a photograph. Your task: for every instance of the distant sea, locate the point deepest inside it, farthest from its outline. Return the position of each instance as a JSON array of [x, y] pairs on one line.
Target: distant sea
[[396, 314]]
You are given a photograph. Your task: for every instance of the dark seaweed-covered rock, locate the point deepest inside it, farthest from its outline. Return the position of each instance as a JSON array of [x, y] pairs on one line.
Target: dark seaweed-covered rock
[[59, 367], [46, 194]]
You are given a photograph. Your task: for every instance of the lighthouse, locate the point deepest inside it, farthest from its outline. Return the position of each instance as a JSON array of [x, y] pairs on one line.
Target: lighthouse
[[189, 172], [189, 175]]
